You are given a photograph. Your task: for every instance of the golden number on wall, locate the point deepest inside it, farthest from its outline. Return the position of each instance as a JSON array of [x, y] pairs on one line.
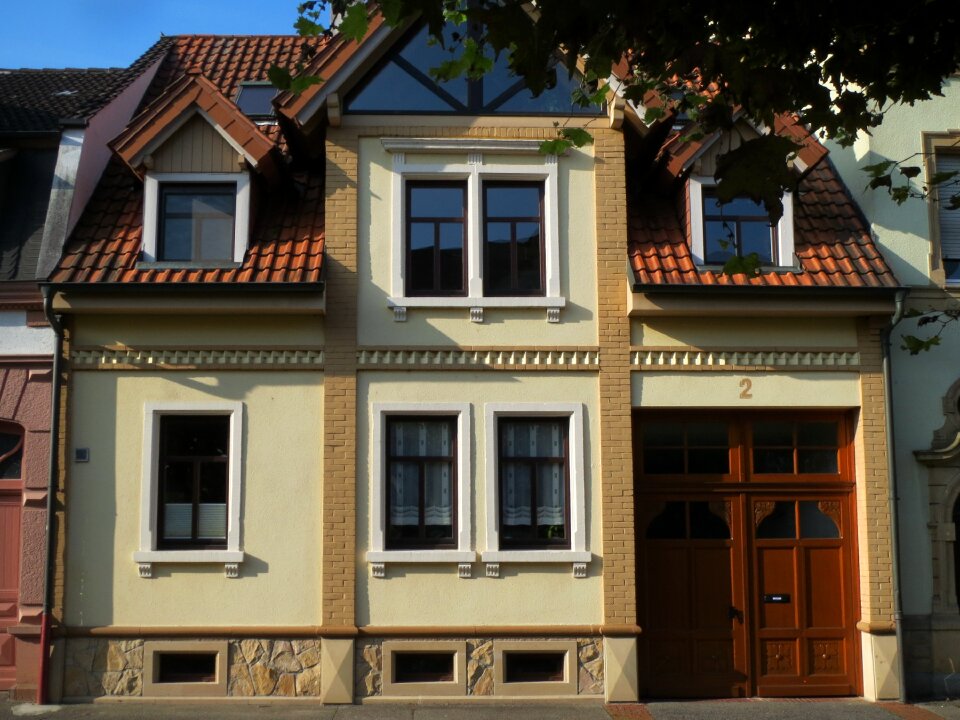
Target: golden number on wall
[[745, 385]]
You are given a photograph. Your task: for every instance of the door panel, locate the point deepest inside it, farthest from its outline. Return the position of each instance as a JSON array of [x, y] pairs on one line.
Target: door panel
[[9, 583], [691, 602]]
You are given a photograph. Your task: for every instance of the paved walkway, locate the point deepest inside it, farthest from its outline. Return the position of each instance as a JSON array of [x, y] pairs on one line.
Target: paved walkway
[[705, 710]]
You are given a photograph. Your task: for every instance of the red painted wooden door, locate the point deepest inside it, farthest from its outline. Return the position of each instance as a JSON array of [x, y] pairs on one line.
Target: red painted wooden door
[[9, 583]]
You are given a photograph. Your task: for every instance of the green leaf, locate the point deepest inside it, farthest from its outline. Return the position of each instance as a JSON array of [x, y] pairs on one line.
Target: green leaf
[[900, 194], [653, 114], [954, 202], [578, 136], [880, 168], [910, 171], [881, 181], [555, 147], [307, 28], [302, 82], [748, 265], [279, 77], [915, 345], [354, 23]]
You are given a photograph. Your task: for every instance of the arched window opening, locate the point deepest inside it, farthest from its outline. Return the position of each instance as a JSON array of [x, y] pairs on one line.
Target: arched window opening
[[11, 451]]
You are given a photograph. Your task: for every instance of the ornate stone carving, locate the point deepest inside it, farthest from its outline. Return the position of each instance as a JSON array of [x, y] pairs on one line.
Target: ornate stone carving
[[231, 570], [762, 510], [465, 570], [493, 570], [399, 313], [476, 314], [553, 315], [580, 570], [678, 359], [145, 570], [378, 570]]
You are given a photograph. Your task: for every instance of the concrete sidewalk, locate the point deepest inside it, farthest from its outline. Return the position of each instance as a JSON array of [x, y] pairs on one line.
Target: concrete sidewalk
[[703, 710]]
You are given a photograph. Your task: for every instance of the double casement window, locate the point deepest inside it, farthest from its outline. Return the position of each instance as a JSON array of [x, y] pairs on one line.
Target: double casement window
[[422, 482], [739, 228], [192, 484], [533, 477], [477, 234], [195, 219]]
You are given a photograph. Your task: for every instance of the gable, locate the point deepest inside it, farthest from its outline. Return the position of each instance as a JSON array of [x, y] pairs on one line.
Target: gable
[[195, 147], [401, 83]]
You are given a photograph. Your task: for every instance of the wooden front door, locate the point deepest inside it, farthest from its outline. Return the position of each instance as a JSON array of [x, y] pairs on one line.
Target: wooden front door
[[745, 565], [9, 583]]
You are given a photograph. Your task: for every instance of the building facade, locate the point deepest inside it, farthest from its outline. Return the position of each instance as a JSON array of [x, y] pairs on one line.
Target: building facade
[[371, 399]]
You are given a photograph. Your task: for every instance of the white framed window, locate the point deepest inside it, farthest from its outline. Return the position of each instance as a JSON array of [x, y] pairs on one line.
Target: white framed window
[[195, 219], [948, 219], [420, 492], [191, 487], [740, 227], [494, 240], [535, 483]]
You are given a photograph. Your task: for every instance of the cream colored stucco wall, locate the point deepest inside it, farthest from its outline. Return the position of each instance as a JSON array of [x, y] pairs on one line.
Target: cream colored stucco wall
[[514, 327], [280, 531], [706, 389], [744, 333], [541, 594], [198, 330], [902, 231]]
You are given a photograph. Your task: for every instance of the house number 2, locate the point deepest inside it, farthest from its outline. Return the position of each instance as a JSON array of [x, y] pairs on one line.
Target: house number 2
[[745, 386]]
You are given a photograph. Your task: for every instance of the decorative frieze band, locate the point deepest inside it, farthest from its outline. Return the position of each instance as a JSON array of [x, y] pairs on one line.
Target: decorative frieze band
[[126, 358], [682, 358], [530, 359]]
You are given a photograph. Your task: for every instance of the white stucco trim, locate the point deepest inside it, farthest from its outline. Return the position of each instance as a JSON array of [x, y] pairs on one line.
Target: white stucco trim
[[785, 236], [377, 552], [151, 208], [578, 536], [150, 480], [475, 172]]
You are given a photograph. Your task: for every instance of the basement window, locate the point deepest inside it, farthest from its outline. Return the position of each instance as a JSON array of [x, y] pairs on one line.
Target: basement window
[[419, 667], [535, 667], [524, 667], [187, 667]]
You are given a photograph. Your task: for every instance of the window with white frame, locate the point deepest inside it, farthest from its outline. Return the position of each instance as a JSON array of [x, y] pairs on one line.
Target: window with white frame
[[191, 483], [536, 489], [420, 489], [741, 227], [948, 217], [195, 218], [474, 234]]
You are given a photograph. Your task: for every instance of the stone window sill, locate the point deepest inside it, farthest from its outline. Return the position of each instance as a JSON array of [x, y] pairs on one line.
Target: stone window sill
[[231, 559]]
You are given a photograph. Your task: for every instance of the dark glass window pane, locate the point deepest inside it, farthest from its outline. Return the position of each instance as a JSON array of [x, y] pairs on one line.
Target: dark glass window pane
[[708, 461], [779, 524], [772, 433], [496, 272], [196, 434], [551, 501], [706, 523], [216, 239], [670, 524], [554, 100], [213, 482], [513, 201], [425, 54], [719, 242], [178, 482], [542, 439], [768, 460], [814, 523], [437, 500], [177, 241], [421, 257], [528, 256], [951, 269], [392, 89], [404, 516], [817, 433], [254, 99], [755, 237], [498, 80], [11, 451], [817, 461], [657, 461], [709, 433], [743, 206], [437, 202], [451, 257], [663, 433], [516, 511]]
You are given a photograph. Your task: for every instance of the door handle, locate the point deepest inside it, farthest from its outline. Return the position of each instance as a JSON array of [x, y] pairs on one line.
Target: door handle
[[735, 614]]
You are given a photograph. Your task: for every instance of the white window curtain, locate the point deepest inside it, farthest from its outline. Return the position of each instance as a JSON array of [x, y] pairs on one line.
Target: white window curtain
[[421, 439]]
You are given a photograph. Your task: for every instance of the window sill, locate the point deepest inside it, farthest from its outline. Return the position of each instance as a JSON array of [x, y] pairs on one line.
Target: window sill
[[230, 559], [552, 305], [187, 265], [421, 556], [536, 556]]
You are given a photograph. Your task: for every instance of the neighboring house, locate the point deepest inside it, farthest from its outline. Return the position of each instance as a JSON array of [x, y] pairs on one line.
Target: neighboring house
[[921, 241], [53, 125], [369, 398]]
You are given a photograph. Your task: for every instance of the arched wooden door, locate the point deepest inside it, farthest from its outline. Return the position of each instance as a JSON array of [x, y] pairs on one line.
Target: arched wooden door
[[745, 557]]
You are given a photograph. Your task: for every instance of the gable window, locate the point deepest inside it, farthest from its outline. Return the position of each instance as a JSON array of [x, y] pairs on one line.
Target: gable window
[[191, 487], [436, 238], [421, 472], [195, 219], [420, 484], [536, 488], [513, 238], [474, 234], [739, 228]]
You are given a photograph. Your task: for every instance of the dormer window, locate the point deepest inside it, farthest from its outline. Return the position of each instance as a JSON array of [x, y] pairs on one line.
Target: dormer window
[[195, 219], [719, 232], [255, 100]]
